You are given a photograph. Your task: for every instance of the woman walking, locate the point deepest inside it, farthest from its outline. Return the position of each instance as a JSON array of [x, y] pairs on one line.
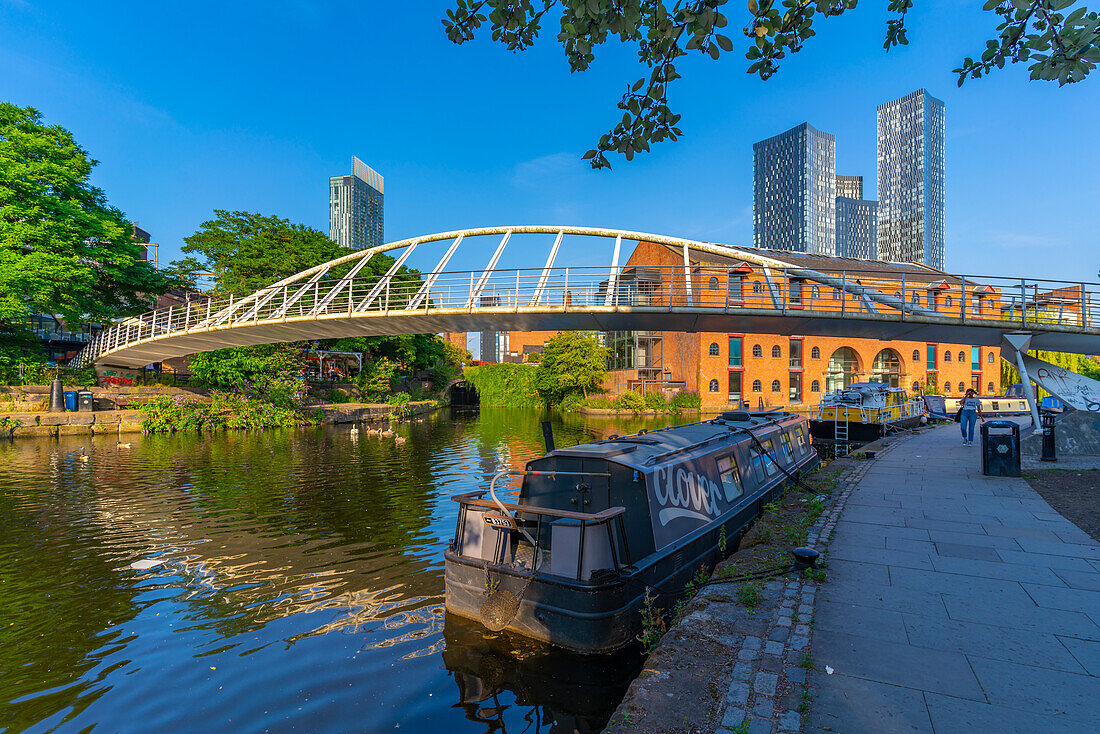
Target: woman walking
[[970, 410]]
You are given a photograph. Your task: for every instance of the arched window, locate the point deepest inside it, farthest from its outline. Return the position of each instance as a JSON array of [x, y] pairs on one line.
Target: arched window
[[947, 356], [916, 355], [756, 352], [916, 298], [947, 388], [962, 387], [916, 386], [815, 353], [712, 284], [756, 387], [843, 367], [989, 388], [714, 349], [714, 385], [887, 368], [897, 295], [947, 302], [756, 287], [775, 386], [836, 294], [991, 358], [776, 351], [815, 386], [815, 292], [962, 356]]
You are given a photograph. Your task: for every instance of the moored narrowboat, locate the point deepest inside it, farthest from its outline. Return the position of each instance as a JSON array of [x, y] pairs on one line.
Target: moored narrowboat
[[864, 412], [595, 525]]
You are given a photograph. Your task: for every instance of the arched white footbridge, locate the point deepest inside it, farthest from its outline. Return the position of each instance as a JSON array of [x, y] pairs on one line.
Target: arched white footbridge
[[833, 298]]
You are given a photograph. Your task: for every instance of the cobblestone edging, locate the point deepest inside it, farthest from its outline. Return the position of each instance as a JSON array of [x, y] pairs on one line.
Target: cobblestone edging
[[767, 692]]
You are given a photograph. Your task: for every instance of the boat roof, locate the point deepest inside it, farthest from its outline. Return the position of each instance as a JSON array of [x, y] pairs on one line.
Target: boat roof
[[874, 386], [644, 451]]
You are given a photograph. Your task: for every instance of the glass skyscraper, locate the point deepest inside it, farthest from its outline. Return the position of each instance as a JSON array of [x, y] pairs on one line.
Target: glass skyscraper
[[850, 187], [910, 180], [856, 228], [355, 207], [794, 191]]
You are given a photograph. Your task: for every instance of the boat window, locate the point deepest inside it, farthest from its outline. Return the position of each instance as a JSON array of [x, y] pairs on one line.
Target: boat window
[[731, 478], [769, 458], [800, 438], [757, 464], [785, 442]]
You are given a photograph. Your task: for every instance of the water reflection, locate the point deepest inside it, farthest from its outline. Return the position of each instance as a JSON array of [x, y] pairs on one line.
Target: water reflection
[[279, 580]]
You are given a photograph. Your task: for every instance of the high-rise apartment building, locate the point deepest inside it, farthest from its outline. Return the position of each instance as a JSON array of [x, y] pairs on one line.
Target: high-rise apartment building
[[850, 187], [355, 207], [911, 180], [856, 227], [794, 191]]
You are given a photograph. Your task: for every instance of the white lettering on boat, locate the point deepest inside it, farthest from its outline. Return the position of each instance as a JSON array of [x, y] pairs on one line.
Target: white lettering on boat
[[683, 494]]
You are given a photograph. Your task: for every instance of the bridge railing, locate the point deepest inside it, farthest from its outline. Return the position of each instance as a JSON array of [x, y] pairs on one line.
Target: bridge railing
[[836, 292]]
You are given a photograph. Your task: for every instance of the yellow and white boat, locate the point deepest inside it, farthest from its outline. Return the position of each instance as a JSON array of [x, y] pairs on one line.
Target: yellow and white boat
[[865, 411]]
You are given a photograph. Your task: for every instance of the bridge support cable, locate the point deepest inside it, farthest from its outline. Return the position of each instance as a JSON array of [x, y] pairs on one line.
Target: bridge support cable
[[540, 289], [613, 277], [385, 281], [426, 289], [345, 282], [475, 291], [281, 311]]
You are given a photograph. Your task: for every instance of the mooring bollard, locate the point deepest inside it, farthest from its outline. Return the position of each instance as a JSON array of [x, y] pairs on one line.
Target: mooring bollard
[[57, 396], [1049, 452]]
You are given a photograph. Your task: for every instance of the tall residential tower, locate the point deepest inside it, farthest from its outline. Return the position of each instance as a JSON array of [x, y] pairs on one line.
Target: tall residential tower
[[794, 191], [910, 180], [355, 207]]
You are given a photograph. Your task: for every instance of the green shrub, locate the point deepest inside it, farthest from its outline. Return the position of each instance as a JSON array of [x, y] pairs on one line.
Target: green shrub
[[656, 401], [505, 385], [164, 414], [685, 399], [629, 400]]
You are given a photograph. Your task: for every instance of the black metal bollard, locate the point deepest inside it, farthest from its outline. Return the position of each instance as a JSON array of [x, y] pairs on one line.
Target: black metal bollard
[[57, 396], [1049, 452]]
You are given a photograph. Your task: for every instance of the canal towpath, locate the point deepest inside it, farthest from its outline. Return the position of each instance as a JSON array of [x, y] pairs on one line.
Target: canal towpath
[[955, 602]]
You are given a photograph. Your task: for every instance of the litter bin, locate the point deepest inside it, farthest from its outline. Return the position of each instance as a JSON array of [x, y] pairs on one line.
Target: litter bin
[[70, 400], [1001, 449], [84, 402]]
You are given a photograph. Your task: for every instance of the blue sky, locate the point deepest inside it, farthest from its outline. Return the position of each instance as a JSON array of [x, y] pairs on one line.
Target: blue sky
[[247, 105]]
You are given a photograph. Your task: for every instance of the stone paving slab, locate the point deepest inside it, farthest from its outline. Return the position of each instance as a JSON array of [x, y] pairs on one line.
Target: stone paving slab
[[955, 602]]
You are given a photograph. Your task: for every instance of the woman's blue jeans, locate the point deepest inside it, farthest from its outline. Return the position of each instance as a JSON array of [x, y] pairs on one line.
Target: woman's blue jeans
[[967, 421]]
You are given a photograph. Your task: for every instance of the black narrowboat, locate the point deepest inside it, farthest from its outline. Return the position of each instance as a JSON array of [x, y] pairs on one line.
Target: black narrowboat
[[594, 525]]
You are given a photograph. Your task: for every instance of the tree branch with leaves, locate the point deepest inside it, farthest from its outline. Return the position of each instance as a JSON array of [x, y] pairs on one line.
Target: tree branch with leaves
[[1061, 39]]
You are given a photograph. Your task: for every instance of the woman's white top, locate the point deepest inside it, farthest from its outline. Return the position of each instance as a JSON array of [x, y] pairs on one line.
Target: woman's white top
[[971, 403]]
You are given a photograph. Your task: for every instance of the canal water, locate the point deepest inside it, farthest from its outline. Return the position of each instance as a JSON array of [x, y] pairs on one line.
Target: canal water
[[283, 581]]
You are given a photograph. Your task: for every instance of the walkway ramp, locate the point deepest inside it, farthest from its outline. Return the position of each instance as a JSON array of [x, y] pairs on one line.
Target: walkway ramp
[[955, 602]]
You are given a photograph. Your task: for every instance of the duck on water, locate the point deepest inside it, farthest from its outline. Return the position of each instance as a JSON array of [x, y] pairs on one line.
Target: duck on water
[[568, 561]]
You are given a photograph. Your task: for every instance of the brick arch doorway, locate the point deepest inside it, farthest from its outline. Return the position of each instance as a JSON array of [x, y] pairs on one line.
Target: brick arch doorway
[[887, 368], [843, 370]]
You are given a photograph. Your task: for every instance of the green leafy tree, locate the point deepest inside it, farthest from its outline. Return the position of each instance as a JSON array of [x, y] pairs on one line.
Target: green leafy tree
[[63, 249], [246, 251], [271, 372], [1058, 37], [572, 362]]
